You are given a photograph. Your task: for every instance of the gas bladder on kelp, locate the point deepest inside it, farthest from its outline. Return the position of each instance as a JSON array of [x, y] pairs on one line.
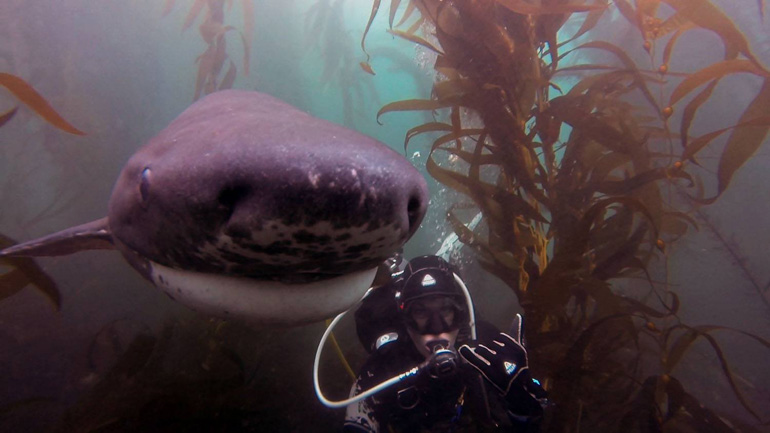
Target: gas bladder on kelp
[[583, 180]]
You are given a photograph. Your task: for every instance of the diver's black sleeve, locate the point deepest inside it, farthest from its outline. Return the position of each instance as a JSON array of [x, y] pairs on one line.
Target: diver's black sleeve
[[524, 412]]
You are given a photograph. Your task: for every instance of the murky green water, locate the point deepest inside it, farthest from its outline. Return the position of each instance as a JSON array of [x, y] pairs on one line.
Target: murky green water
[[118, 355]]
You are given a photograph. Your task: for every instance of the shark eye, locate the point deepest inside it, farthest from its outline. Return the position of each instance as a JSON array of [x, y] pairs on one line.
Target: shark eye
[[144, 185]]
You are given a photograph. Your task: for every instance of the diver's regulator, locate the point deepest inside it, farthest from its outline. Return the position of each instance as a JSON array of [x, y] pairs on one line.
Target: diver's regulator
[[442, 363]]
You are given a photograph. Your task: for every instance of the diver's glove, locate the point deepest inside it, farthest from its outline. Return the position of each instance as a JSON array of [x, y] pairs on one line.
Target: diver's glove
[[503, 362]]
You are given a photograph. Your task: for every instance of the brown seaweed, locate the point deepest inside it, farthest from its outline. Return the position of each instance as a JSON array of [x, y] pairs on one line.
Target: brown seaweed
[[733, 251], [575, 187], [32, 99], [8, 115], [328, 41], [213, 31], [25, 272], [22, 271]]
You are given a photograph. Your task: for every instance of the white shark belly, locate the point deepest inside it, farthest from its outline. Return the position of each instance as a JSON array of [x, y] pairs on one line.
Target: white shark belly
[[263, 302]]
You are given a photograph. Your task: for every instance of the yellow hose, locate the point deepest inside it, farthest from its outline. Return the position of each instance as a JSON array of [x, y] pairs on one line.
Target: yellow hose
[[341, 355]]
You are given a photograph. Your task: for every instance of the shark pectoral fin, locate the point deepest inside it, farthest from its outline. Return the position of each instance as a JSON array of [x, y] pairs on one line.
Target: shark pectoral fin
[[95, 235]]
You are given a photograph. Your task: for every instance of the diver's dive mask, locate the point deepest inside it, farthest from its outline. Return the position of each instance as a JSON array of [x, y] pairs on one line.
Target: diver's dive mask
[[430, 298], [434, 315]]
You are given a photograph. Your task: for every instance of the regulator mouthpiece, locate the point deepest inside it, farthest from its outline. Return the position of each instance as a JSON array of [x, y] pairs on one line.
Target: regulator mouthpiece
[[443, 363], [438, 345]]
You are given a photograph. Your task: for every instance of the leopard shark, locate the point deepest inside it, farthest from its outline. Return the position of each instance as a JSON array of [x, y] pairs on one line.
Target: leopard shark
[[246, 207]]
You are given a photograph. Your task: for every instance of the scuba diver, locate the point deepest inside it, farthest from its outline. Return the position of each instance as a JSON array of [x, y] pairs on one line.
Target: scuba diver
[[430, 366]]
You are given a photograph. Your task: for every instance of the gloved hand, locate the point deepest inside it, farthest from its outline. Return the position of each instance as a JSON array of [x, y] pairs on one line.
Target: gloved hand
[[503, 362]]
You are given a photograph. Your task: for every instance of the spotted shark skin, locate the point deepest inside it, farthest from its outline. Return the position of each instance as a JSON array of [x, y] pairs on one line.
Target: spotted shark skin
[[247, 207]]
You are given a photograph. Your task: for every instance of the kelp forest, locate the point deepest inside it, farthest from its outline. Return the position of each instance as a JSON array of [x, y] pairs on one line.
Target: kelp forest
[[580, 156], [577, 146], [212, 30], [23, 272]]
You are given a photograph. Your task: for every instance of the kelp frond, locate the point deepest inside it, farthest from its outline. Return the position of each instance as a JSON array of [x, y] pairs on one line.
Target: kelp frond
[[25, 272], [32, 99], [574, 179], [213, 30], [21, 272]]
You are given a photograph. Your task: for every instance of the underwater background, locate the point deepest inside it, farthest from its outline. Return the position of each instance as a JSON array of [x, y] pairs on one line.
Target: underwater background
[[109, 352]]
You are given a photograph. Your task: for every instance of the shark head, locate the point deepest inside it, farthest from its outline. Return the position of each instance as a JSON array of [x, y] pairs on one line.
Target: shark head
[[247, 207]]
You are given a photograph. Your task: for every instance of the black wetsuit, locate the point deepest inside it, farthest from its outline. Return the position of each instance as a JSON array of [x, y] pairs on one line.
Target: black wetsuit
[[460, 403]]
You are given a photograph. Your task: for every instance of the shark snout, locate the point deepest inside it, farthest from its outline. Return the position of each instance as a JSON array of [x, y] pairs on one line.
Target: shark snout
[[336, 220]]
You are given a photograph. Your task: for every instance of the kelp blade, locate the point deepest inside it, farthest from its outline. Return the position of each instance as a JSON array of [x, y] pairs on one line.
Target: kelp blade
[[31, 98]]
